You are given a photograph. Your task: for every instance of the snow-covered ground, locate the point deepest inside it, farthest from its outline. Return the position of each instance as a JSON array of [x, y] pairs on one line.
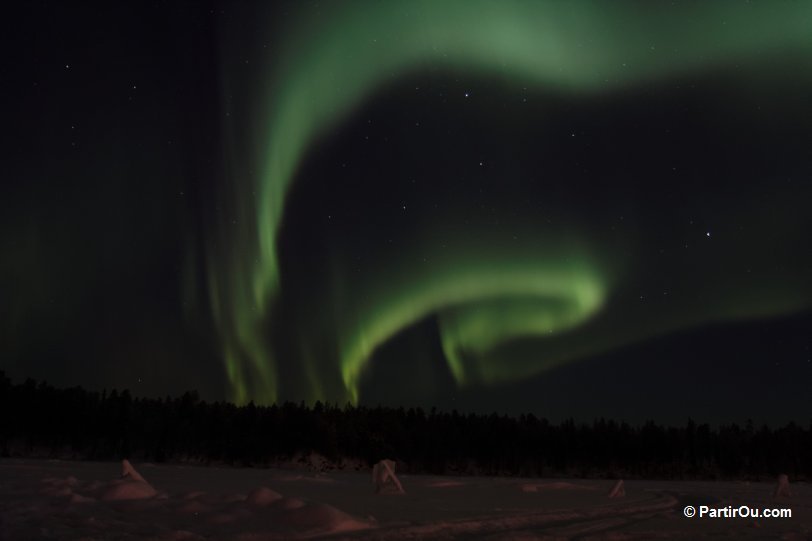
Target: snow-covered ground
[[51, 499]]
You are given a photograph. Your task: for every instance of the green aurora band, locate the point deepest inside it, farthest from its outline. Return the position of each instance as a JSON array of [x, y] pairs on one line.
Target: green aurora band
[[481, 301], [330, 63]]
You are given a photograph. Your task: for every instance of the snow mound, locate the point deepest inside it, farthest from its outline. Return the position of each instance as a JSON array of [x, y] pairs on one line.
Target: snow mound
[[131, 486], [78, 498], [291, 503], [289, 517], [128, 471], [323, 517], [228, 517], [335, 518], [263, 496], [384, 478], [618, 491], [128, 490]]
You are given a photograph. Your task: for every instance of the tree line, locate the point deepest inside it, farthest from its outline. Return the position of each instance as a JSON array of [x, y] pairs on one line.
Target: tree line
[[37, 419]]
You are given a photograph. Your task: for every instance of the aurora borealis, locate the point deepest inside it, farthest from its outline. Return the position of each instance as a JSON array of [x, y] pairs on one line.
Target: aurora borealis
[[496, 192]]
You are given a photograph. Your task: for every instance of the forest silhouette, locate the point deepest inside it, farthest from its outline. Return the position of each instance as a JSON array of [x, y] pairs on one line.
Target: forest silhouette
[[38, 420]]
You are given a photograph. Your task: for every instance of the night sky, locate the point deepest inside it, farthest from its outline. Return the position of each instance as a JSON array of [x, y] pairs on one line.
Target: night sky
[[588, 209]]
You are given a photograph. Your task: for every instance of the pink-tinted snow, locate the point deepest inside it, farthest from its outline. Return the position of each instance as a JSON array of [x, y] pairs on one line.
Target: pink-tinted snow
[[41, 499]]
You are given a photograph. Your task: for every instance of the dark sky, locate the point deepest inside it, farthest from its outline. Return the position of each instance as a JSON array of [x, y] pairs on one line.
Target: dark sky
[[582, 210]]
